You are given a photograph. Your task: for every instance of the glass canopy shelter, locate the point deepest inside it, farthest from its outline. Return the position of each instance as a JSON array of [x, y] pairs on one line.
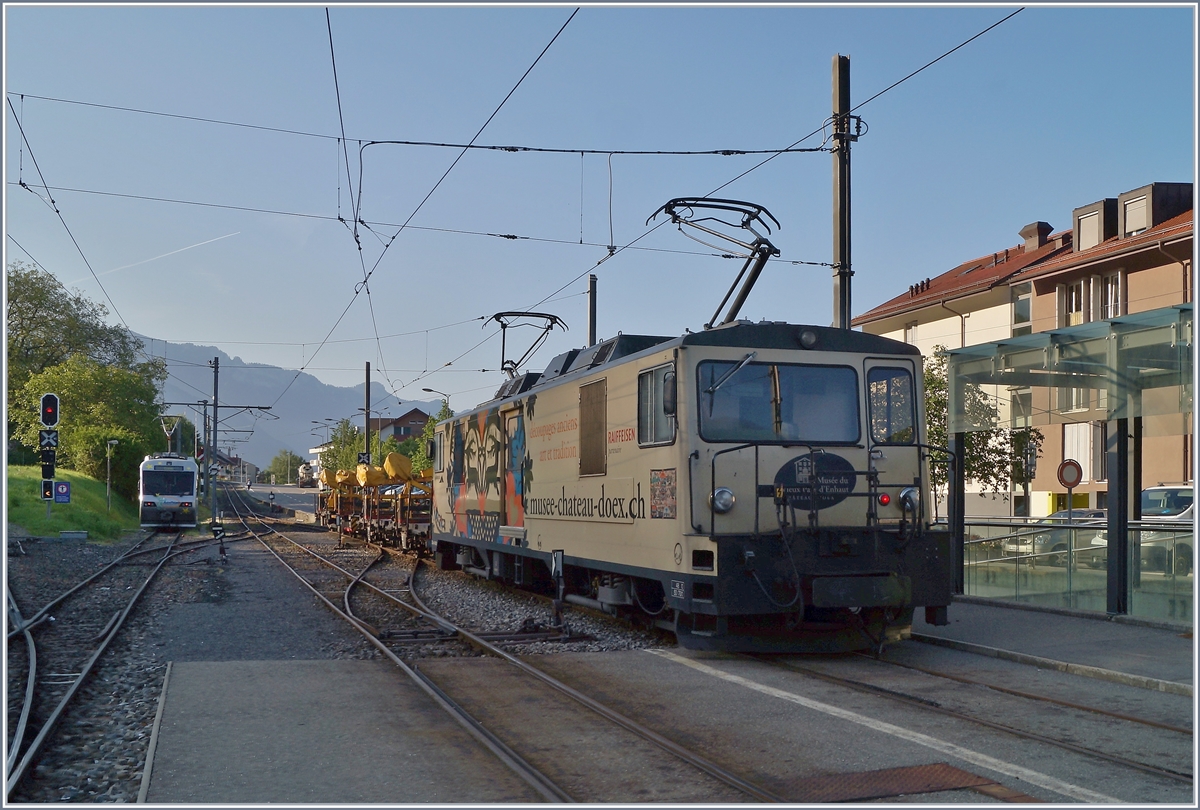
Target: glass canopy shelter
[[1140, 365]]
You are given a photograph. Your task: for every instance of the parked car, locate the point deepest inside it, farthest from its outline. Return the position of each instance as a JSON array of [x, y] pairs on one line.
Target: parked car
[[1162, 550], [1049, 537]]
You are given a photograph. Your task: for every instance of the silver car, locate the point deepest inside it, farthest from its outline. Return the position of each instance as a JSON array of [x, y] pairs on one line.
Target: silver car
[[1047, 539], [1166, 551]]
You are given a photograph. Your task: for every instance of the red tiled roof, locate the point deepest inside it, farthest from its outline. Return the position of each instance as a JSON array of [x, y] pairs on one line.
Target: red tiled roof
[[1172, 228], [977, 275]]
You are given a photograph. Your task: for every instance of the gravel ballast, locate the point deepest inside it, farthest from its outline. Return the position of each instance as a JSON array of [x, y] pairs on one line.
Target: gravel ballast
[[201, 609]]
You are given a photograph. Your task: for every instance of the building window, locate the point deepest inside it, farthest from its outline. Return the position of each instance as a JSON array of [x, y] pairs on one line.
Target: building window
[[1072, 399], [1075, 304], [1022, 317], [1135, 216], [1021, 407], [654, 426], [1089, 230], [1077, 444], [1100, 451], [1110, 295], [593, 422], [910, 333]]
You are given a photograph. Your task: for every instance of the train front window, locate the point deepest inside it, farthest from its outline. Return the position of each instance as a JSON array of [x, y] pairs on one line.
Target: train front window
[[891, 403], [168, 482], [777, 402]]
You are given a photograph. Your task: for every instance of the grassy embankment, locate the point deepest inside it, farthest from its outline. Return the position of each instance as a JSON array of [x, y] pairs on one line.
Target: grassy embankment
[[85, 512]]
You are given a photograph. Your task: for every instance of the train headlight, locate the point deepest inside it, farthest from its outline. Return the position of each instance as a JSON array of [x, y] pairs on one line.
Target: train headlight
[[721, 500], [910, 499], [808, 338]]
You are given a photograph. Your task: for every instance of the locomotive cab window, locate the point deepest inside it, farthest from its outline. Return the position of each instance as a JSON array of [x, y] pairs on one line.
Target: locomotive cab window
[[439, 453], [168, 482], [777, 402], [892, 402], [655, 424]]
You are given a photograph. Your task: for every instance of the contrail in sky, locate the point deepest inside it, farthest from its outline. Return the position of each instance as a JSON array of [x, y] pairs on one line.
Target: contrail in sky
[[153, 258]]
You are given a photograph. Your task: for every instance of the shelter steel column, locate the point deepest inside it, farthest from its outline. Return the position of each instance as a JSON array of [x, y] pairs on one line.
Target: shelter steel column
[[956, 507], [1118, 516]]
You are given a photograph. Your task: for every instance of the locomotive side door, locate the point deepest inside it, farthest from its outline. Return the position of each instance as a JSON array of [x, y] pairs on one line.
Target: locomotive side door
[[512, 469]]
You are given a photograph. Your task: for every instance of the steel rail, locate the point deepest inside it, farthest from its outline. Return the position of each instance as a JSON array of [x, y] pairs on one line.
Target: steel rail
[[16, 776], [527, 772], [27, 705], [693, 759], [477, 641], [1030, 696], [939, 709], [58, 599]]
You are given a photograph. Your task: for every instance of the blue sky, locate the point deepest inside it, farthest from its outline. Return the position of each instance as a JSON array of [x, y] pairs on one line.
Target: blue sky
[[1052, 110]]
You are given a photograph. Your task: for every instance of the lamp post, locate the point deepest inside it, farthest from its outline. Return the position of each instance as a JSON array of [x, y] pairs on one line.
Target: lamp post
[[108, 485], [445, 396]]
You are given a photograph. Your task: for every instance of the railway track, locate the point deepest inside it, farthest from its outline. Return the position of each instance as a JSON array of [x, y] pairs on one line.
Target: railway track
[[58, 639], [377, 591], [955, 696]]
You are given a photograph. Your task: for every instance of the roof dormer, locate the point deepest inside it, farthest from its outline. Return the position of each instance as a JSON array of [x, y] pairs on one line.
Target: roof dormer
[[1143, 208], [1094, 223]]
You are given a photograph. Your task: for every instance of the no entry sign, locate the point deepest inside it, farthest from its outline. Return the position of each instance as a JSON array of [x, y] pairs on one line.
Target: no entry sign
[[1070, 473]]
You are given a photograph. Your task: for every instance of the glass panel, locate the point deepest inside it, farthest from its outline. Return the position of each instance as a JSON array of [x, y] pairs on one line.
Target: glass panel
[[890, 398], [778, 403]]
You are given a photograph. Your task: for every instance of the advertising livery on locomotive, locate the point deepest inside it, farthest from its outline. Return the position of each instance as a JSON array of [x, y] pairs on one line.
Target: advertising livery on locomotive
[[754, 486]]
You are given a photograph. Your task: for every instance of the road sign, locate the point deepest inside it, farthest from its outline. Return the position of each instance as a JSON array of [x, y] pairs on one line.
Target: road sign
[[50, 410], [1070, 473], [47, 439], [364, 458], [62, 491]]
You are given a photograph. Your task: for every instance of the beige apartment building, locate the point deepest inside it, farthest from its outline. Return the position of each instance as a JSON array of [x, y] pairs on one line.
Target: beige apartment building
[[1121, 256]]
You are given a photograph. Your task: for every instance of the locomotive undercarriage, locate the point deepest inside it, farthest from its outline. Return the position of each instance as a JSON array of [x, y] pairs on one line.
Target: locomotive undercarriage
[[828, 590]]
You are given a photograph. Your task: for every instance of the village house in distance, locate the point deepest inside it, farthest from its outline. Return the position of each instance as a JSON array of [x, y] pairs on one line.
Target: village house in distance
[[1123, 258]]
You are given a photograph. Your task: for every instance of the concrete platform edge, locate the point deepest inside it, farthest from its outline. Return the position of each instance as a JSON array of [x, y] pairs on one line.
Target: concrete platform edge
[[1135, 621], [1140, 681], [162, 701]]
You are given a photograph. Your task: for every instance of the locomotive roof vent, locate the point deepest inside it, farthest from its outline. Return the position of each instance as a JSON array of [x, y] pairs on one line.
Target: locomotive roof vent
[[560, 364]]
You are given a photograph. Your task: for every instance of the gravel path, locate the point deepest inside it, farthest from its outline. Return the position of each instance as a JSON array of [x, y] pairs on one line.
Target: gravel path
[[201, 609]]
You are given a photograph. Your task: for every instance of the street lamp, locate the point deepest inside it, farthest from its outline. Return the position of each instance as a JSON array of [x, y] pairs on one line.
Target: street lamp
[[445, 396], [108, 486], [324, 424]]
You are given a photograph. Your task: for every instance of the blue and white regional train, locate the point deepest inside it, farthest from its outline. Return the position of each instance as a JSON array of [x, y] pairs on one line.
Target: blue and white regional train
[[167, 491]]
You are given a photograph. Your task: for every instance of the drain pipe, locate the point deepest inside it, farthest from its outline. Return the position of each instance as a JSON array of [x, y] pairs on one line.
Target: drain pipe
[[962, 320]]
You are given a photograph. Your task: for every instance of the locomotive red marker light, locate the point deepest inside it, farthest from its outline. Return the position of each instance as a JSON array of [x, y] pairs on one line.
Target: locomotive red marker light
[[884, 499]]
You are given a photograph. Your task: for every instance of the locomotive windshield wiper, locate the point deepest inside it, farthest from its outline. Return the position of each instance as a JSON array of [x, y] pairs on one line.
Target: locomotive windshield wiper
[[725, 377]]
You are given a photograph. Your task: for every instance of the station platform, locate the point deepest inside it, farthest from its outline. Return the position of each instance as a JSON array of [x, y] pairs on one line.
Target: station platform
[[1148, 655]]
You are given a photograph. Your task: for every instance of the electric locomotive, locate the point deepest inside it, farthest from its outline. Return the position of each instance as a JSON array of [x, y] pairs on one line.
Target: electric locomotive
[[757, 487], [167, 491]]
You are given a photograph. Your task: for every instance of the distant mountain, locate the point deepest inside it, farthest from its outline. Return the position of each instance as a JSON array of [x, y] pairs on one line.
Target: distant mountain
[[288, 424]]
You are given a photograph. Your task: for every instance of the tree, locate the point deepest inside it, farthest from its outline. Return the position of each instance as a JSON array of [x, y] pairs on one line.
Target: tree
[[993, 458], [420, 458], [346, 442], [47, 323], [285, 467], [99, 402]]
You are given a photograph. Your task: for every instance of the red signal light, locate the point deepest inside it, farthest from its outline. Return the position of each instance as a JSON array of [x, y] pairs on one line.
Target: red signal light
[[49, 410], [884, 499]]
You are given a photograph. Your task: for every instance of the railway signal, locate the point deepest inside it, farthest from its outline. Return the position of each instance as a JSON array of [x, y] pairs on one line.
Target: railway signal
[[47, 439], [48, 458], [47, 490], [50, 410]]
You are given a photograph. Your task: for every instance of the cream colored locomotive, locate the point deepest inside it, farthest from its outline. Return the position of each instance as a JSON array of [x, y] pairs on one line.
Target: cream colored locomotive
[[760, 486]]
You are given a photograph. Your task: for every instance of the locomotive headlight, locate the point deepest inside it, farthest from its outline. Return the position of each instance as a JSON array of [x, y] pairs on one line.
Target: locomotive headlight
[[910, 499], [721, 500], [884, 499]]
